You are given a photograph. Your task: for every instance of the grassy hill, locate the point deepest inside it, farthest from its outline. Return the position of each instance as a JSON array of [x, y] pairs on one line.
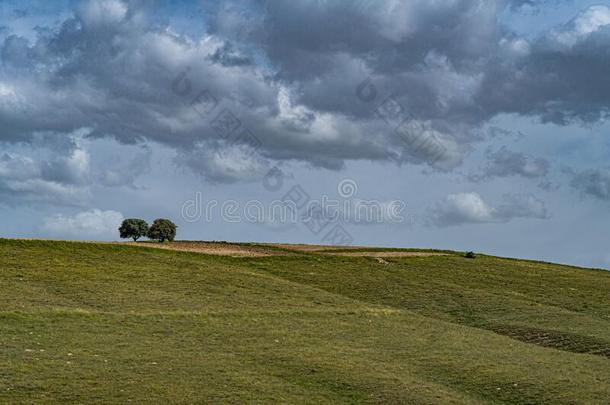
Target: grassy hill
[[86, 323]]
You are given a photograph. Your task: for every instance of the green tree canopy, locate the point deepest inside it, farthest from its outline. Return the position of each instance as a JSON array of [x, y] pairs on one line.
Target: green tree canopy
[[133, 228], [162, 229]]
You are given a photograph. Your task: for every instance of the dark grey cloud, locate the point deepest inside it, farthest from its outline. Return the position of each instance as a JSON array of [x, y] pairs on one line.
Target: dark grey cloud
[[400, 45], [62, 169], [504, 163], [107, 69], [455, 78], [593, 182], [227, 56], [44, 175], [120, 172], [561, 78], [228, 164], [290, 74]]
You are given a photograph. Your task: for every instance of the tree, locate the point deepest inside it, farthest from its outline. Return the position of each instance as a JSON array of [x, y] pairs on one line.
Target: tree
[[162, 230], [133, 228]]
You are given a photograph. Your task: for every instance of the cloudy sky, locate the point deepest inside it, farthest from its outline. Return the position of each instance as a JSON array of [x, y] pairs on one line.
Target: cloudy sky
[[469, 124]]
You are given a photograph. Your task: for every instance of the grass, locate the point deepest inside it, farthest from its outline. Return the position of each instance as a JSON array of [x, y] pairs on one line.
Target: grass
[[102, 323]]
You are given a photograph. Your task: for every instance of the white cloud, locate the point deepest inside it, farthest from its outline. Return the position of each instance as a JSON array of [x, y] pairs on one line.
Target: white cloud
[[103, 12], [462, 208], [515, 46], [93, 224], [470, 208], [589, 21]]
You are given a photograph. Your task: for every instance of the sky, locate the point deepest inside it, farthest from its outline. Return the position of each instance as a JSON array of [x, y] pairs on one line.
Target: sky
[[458, 124]]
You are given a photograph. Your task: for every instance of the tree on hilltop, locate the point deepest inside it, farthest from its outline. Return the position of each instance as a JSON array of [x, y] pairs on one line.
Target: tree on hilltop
[[134, 228], [162, 230]]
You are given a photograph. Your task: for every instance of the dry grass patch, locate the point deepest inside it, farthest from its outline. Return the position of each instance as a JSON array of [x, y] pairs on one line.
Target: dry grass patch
[[385, 254]]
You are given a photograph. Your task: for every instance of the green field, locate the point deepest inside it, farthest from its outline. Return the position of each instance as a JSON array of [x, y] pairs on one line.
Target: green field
[[109, 323]]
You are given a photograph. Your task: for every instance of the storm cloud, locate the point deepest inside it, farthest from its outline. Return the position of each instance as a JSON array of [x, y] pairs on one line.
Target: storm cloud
[[111, 69]]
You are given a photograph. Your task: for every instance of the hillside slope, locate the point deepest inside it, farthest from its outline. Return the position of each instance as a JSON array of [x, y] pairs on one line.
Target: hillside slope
[[83, 322]]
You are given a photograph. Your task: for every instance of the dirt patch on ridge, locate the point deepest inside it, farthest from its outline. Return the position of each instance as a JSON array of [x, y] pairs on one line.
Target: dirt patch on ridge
[[212, 248], [245, 250], [310, 248]]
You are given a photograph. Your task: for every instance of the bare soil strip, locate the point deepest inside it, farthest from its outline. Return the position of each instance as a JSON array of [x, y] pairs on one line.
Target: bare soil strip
[[212, 248], [310, 248]]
